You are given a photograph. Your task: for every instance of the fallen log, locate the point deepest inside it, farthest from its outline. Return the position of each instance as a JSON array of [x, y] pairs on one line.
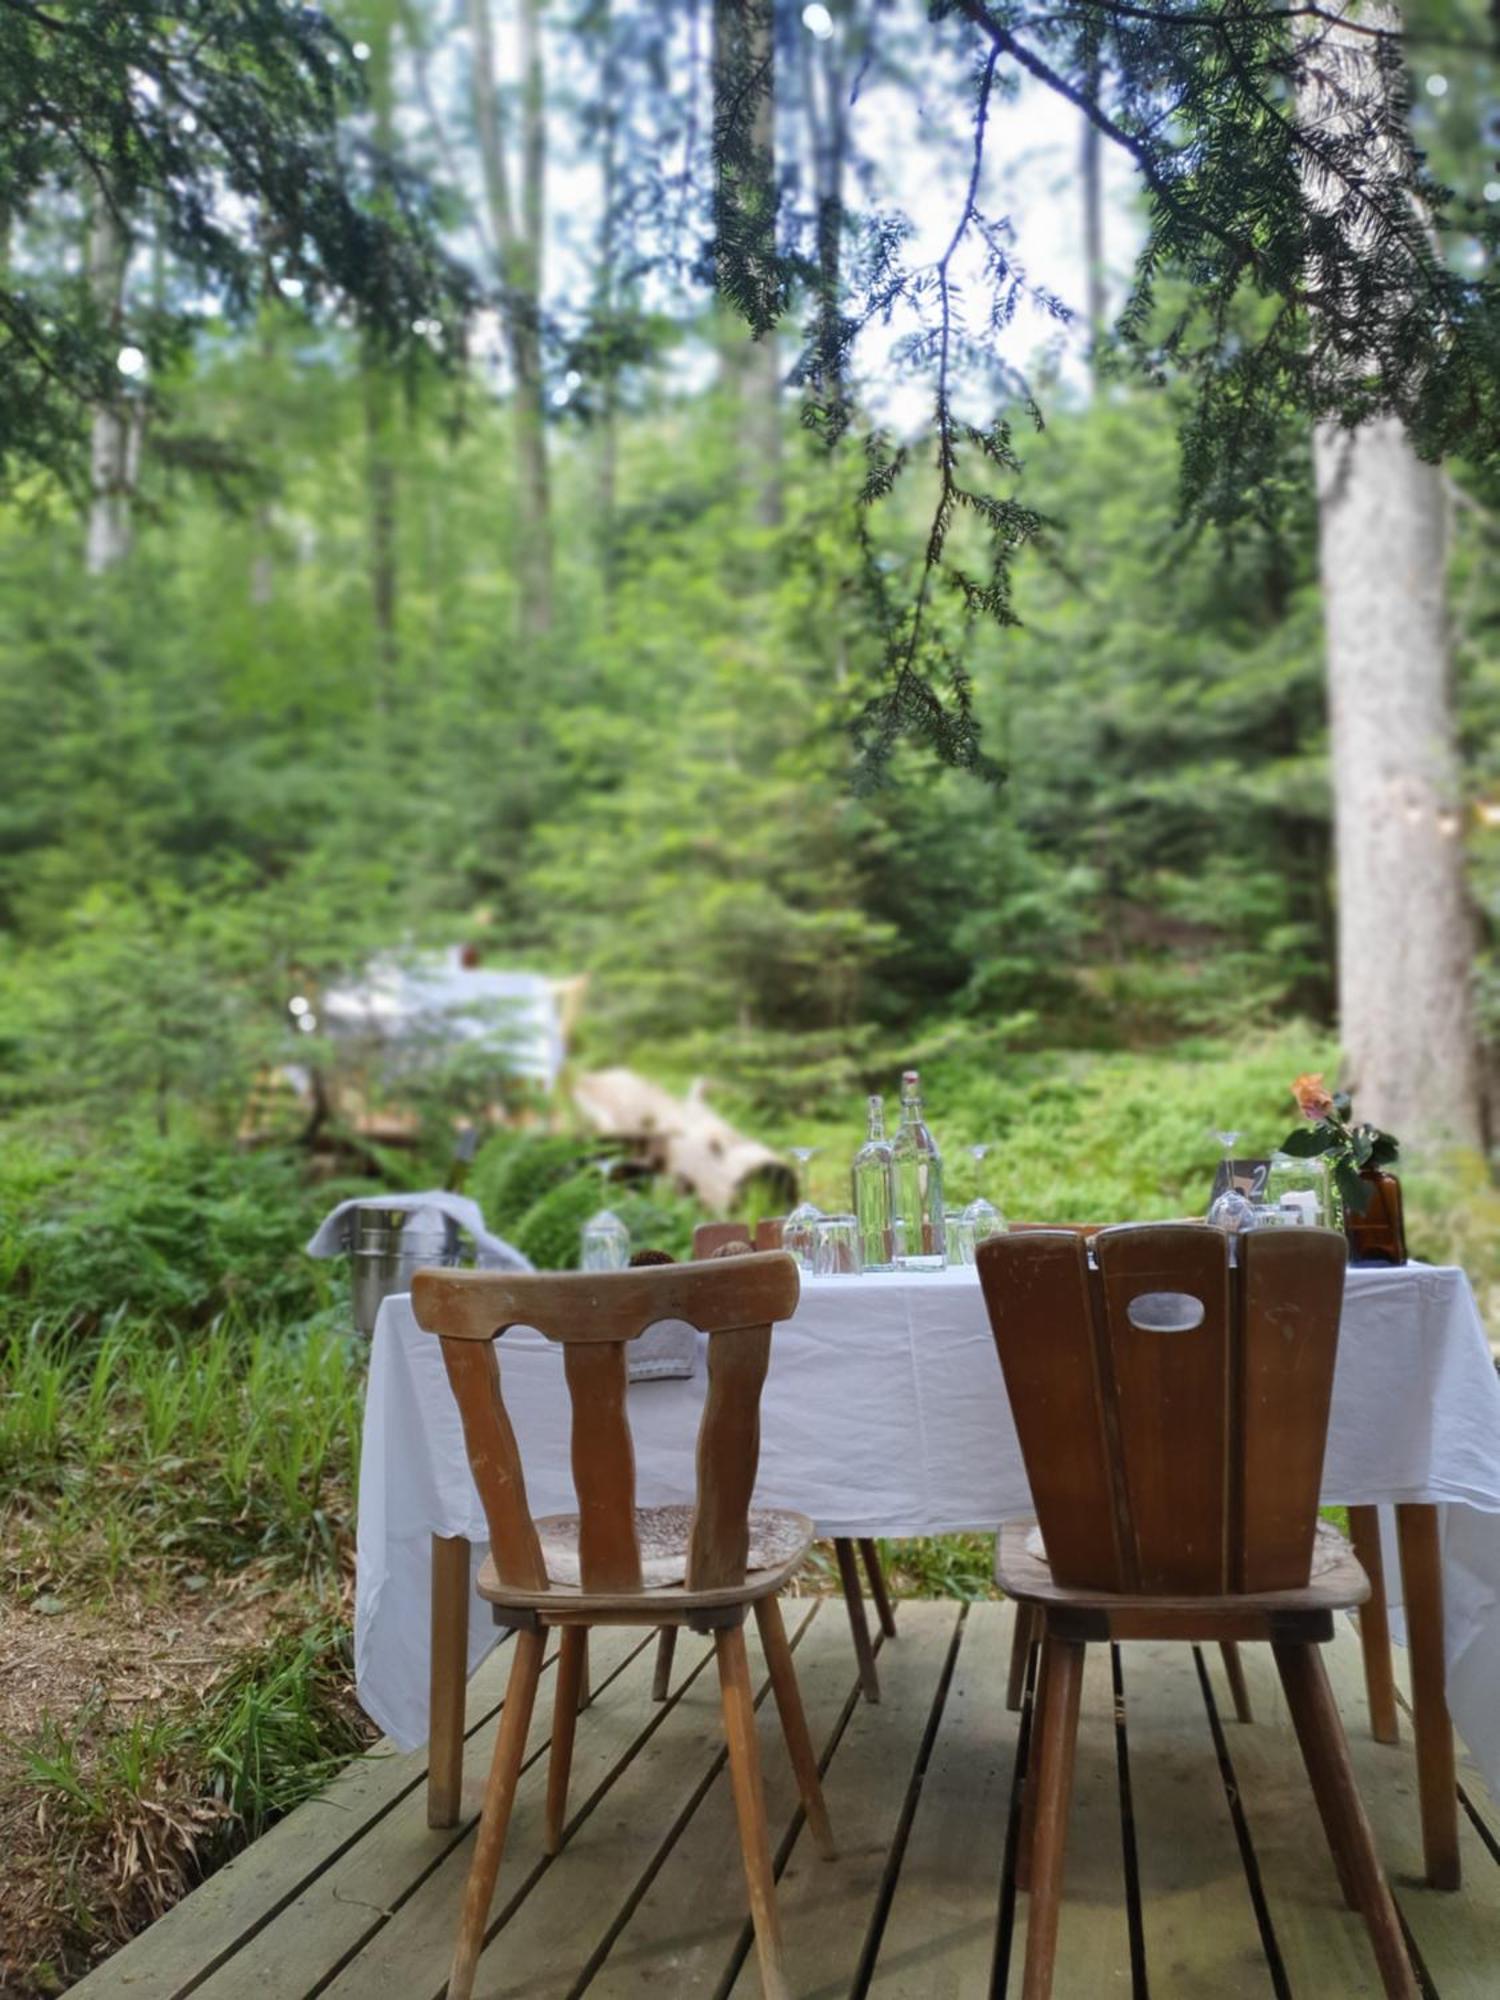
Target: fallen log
[[686, 1138]]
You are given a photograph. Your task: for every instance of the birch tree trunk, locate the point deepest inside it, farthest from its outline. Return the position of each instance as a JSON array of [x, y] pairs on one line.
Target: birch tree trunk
[[1405, 924], [516, 227], [114, 431], [379, 412]]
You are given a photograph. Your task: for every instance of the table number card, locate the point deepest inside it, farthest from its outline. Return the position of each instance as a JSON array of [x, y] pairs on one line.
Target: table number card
[[1248, 1177]]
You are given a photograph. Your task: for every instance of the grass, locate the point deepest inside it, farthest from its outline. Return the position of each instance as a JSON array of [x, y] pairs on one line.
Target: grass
[[181, 1507], [209, 1450]]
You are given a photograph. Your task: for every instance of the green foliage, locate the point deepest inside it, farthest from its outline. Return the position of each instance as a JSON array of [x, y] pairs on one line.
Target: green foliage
[[511, 1176], [174, 1232], [217, 128], [549, 1233]]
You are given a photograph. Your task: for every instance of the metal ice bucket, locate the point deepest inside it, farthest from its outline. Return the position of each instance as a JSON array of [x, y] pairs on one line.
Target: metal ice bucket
[[387, 1245]]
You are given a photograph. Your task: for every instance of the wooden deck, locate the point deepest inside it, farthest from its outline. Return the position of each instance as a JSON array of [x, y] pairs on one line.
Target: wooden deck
[[1196, 1862]]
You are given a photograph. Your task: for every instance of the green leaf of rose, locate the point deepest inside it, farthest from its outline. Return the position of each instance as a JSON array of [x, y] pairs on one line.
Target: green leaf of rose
[[1308, 1141], [1356, 1193]]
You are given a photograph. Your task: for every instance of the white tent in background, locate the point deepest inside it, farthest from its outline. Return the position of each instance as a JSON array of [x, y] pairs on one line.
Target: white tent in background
[[436, 1001]]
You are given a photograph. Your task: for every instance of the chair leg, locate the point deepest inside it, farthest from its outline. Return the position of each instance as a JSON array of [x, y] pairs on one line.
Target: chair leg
[[1322, 1777], [1234, 1673], [1020, 1657], [1374, 1626], [666, 1646], [794, 1721], [864, 1652], [876, 1576], [499, 1796], [571, 1660], [1064, 1666], [1317, 1718], [1027, 1830], [585, 1692], [750, 1807], [449, 1679]]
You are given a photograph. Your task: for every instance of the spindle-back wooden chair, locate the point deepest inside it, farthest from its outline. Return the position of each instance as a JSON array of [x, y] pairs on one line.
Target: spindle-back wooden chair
[[1172, 1412], [572, 1572], [707, 1238]]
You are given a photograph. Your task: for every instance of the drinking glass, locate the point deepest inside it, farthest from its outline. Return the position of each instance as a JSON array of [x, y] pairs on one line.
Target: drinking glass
[[797, 1230], [605, 1243], [982, 1216], [835, 1246], [959, 1236]]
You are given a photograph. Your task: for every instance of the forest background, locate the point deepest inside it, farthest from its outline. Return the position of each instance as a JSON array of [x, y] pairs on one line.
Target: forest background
[[556, 653]]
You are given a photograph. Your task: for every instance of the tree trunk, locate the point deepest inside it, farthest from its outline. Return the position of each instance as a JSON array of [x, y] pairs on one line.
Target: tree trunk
[[744, 62], [518, 241], [380, 462], [1406, 936], [1091, 173], [1405, 926], [606, 300], [114, 436]]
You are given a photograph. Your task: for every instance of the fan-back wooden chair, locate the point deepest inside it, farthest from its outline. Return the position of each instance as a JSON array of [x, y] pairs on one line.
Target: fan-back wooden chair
[[708, 1238], [1172, 1414], [613, 1563]]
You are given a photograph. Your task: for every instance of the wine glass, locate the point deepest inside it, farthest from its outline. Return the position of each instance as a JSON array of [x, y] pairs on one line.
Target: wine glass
[[797, 1230], [1230, 1210], [982, 1216]]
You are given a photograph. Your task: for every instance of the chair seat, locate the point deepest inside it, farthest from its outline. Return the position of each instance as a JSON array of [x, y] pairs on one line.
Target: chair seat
[[1337, 1583], [779, 1542]]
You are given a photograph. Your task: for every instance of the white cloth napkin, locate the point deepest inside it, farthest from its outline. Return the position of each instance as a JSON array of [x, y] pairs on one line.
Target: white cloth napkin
[[335, 1234], [663, 1351]]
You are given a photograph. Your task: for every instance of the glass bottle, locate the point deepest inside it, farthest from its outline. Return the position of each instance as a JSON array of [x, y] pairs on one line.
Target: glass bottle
[[917, 1173], [874, 1196]]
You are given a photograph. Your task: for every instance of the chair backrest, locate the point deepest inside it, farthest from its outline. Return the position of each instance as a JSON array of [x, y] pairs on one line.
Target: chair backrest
[[768, 1232], [711, 1236], [1172, 1411], [594, 1315]]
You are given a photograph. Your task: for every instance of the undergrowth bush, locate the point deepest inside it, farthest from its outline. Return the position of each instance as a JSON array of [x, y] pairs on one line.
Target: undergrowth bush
[[175, 1231]]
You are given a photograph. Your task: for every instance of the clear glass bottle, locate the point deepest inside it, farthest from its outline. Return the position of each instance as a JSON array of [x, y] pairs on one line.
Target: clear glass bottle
[[874, 1195], [917, 1174]]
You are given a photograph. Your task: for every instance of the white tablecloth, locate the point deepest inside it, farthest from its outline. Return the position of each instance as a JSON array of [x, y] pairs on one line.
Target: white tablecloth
[[885, 1414]]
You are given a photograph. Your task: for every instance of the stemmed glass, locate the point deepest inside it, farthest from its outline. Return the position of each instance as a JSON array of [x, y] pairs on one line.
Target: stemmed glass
[[1230, 1210], [982, 1216], [797, 1231]]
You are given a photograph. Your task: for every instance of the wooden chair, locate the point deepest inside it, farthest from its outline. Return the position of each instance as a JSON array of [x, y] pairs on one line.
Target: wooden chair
[[768, 1237], [1025, 1633], [1172, 1415], [615, 1564]]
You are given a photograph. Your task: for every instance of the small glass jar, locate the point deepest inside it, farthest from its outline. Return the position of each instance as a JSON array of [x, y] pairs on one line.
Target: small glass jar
[[606, 1243], [1306, 1185]]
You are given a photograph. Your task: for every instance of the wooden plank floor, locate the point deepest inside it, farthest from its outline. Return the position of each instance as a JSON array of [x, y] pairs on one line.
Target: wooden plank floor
[[1196, 1864]]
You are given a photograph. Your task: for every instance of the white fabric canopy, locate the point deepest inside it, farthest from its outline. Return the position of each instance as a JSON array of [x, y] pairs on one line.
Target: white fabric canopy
[[885, 1414]]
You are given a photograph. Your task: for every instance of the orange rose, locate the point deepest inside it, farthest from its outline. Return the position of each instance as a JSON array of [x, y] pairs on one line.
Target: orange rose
[[1314, 1101]]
